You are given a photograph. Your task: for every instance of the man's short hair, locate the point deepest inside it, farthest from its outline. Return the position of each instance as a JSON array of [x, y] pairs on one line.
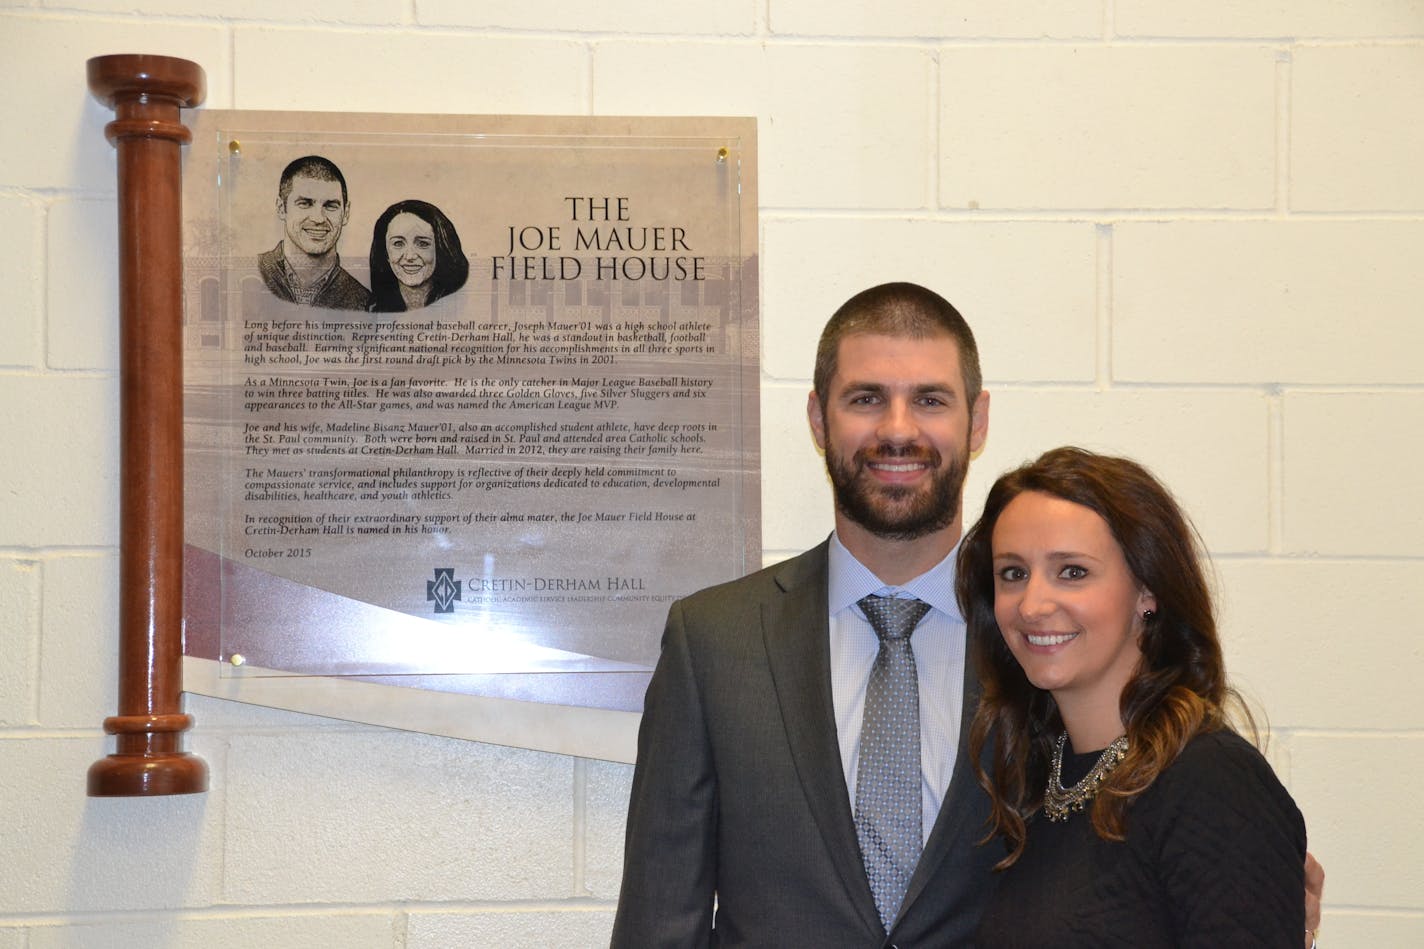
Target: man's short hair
[[310, 166], [906, 310]]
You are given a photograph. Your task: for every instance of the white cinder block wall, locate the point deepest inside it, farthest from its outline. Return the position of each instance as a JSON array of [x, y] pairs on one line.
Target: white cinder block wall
[[1191, 232]]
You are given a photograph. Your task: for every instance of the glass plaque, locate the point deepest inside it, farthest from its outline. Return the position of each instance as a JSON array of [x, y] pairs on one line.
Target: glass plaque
[[468, 400]]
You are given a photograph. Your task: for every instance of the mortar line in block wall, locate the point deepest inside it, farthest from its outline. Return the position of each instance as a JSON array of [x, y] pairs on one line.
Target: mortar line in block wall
[[1283, 130], [1275, 472], [1103, 316], [580, 829]]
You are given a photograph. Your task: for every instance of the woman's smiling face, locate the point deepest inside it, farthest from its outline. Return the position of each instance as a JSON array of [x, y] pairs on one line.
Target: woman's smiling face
[[410, 247], [1065, 599]]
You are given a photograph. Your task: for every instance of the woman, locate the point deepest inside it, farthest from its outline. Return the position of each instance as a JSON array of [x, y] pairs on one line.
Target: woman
[[1131, 812], [416, 257]]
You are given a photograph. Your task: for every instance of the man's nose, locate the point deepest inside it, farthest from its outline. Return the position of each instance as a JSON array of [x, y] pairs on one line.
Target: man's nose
[[897, 424]]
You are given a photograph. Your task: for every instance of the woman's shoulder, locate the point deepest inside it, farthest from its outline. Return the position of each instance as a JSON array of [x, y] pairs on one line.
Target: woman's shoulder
[[1220, 775], [1226, 843], [1219, 755]]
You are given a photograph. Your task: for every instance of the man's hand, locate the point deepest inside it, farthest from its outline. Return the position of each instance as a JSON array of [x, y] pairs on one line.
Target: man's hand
[[1314, 891]]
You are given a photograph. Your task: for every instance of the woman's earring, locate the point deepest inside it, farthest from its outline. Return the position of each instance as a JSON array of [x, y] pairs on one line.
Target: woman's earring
[[1148, 614]]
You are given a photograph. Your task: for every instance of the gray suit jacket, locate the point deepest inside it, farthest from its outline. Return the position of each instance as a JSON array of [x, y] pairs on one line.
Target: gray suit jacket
[[739, 790]]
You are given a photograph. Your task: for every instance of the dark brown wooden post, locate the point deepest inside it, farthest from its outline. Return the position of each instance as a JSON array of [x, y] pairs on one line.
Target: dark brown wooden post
[[147, 94]]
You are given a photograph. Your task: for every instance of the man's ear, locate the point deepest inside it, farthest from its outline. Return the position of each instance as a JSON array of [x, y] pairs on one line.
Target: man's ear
[[979, 422], [817, 417], [281, 209]]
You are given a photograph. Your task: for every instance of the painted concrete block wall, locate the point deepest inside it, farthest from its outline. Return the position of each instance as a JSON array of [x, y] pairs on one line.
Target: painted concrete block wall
[[1186, 232]]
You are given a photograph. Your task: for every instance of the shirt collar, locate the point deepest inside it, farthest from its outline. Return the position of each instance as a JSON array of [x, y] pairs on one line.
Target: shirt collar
[[317, 284], [850, 580]]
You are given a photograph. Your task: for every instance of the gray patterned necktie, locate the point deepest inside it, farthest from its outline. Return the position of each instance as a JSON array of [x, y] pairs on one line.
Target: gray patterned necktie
[[887, 778]]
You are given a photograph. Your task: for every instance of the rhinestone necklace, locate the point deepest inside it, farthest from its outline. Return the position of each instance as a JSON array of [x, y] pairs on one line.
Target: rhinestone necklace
[[1058, 801]]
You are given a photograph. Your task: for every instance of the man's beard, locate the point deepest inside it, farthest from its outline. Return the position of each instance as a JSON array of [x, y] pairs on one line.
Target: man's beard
[[896, 512]]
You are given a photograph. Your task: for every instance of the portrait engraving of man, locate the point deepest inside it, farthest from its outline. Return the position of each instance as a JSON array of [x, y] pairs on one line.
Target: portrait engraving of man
[[304, 267]]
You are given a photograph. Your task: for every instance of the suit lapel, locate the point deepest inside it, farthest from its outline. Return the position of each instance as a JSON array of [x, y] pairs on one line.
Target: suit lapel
[[796, 630]]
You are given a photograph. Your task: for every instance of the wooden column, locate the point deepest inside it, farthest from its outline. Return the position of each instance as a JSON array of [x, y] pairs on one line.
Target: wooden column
[[147, 94]]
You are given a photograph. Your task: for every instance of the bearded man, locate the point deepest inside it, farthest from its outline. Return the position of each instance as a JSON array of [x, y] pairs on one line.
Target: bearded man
[[801, 776]]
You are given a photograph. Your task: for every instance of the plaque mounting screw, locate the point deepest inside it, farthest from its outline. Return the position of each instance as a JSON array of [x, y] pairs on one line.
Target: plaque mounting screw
[[237, 659], [235, 147], [722, 154]]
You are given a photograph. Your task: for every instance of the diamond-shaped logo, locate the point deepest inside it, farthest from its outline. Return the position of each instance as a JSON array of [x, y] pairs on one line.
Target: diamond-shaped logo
[[444, 590]]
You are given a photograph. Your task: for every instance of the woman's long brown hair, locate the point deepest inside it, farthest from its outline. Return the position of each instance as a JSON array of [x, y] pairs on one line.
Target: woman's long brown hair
[[1178, 691]]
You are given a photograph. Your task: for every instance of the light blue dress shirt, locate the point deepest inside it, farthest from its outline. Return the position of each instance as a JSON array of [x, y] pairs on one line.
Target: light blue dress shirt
[[938, 645]]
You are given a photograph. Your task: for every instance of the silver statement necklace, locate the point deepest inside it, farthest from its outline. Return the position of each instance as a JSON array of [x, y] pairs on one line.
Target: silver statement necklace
[[1058, 801]]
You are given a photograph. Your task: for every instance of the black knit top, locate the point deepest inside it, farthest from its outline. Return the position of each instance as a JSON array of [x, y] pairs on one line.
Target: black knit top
[[1214, 857]]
